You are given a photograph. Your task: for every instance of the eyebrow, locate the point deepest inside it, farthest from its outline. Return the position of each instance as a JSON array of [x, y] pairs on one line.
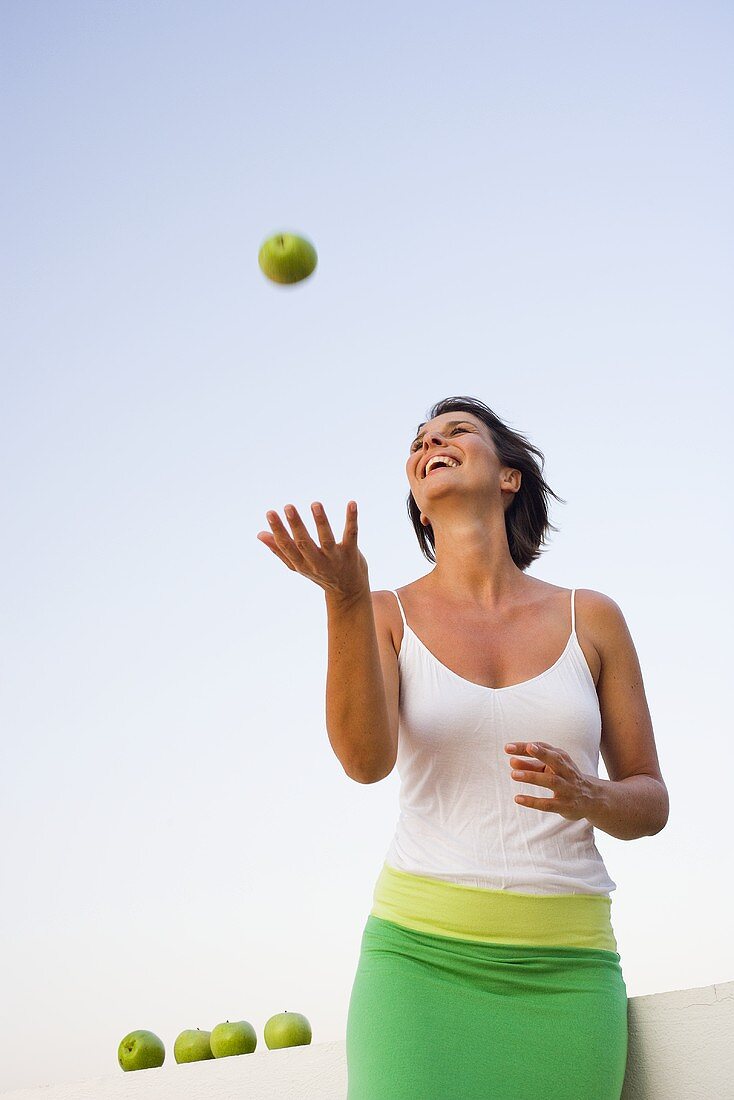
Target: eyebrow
[[448, 424]]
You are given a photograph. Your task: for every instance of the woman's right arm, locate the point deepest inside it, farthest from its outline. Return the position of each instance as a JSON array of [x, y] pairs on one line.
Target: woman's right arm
[[362, 677], [362, 688]]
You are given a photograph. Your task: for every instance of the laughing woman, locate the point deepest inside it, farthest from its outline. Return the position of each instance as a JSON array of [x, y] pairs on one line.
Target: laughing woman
[[488, 964]]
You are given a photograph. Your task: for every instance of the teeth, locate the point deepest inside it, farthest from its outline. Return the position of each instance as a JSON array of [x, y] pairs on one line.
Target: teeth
[[439, 458]]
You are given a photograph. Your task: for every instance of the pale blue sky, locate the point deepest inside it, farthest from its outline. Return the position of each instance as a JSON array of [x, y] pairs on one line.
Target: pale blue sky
[[526, 203]]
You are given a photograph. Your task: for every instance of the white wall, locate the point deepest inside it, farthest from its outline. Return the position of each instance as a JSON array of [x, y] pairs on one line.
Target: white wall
[[681, 1047]]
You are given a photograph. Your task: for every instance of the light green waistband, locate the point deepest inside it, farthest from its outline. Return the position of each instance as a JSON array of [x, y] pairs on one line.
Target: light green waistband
[[493, 916]]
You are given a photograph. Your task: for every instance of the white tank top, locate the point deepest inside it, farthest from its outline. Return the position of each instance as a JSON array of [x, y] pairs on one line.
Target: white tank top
[[458, 817]]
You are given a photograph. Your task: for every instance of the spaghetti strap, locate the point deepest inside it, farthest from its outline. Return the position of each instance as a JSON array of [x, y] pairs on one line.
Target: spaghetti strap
[[573, 611], [405, 624]]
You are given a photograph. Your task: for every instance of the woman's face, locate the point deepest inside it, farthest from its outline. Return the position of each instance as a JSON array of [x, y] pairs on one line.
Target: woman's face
[[467, 440], [461, 436]]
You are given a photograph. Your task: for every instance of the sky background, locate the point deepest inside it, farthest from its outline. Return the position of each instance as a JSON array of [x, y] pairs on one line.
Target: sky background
[[527, 203]]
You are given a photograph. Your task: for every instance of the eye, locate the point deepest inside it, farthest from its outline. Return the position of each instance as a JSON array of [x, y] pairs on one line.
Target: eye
[[416, 445]]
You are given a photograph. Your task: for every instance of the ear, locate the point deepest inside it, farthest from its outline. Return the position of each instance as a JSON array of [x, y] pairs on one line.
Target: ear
[[424, 520]]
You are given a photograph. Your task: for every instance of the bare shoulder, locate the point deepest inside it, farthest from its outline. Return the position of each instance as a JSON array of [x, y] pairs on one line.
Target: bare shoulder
[[387, 616], [597, 602], [603, 618]]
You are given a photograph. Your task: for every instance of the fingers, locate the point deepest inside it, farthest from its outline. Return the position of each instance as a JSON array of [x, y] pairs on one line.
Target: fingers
[[299, 547], [300, 552], [323, 527], [527, 765], [286, 549], [269, 541], [350, 526], [301, 538]]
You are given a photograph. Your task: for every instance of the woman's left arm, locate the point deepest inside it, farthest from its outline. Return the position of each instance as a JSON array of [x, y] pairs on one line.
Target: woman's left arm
[[633, 802]]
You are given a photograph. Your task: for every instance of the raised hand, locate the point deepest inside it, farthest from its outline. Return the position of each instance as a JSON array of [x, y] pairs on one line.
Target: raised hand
[[339, 568]]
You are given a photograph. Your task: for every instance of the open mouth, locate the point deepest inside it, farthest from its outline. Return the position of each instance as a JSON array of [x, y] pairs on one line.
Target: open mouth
[[440, 464]]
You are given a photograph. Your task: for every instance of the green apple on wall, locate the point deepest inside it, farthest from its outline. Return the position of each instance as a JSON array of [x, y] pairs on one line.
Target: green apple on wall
[[287, 1029], [141, 1050], [192, 1045], [237, 1037]]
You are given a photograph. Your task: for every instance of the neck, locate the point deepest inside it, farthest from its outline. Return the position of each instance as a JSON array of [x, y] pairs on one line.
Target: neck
[[474, 564]]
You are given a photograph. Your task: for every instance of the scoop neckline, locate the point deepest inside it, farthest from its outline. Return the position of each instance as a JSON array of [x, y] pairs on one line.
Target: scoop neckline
[[483, 687]]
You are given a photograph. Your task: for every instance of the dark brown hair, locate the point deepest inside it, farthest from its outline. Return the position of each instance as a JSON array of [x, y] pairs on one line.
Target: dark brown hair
[[526, 518]]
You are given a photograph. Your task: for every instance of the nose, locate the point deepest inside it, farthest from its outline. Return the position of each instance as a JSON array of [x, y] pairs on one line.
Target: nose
[[434, 438], [430, 439]]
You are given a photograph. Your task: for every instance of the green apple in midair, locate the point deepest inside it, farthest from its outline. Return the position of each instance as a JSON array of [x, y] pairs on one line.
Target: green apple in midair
[[192, 1046], [237, 1037], [141, 1050], [287, 1029], [287, 258]]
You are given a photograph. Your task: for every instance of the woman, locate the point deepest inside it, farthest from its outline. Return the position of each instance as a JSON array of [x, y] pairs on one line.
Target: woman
[[488, 964]]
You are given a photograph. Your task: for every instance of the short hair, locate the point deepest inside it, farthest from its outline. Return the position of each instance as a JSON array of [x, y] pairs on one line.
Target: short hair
[[526, 518]]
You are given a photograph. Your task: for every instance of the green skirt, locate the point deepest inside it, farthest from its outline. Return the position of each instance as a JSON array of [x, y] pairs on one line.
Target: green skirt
[[485, 1005]]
